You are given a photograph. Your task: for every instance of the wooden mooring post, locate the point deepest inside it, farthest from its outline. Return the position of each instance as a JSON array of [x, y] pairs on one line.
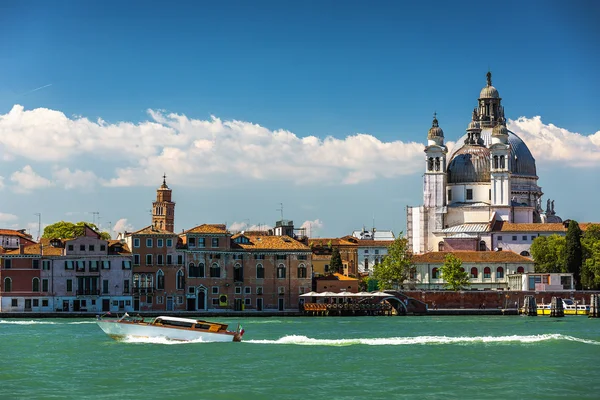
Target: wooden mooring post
[[556, 307], [594, 306], [530, 306]]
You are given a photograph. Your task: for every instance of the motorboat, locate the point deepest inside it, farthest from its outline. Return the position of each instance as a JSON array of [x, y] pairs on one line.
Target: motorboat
[[570, 307], [170, 328]]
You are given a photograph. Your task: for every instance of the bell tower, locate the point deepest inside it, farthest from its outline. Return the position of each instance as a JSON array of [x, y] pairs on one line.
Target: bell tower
[[163, 209], [500, 191], [434, 179]]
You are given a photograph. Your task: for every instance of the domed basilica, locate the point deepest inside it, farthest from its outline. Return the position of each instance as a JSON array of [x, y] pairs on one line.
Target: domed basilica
[[489, 177]]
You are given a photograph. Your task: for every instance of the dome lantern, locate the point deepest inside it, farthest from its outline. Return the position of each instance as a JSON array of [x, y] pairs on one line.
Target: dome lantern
[[435, 133]]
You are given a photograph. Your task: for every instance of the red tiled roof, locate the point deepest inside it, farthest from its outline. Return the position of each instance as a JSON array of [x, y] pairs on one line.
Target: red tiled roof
[[501, 226], [12, 232], [208, 228], [262, 242], [472, 257], [328, 241], [150, 230]]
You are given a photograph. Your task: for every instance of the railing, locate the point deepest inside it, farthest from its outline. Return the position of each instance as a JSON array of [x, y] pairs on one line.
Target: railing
[[142, 290], [82, 292]]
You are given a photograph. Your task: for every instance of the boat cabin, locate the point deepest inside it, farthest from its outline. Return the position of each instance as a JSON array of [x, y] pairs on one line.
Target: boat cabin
[[174, 322]]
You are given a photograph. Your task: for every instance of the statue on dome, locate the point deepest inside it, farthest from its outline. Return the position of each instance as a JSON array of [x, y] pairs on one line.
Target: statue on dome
[[489, 78], [548, 207], [552, 208]]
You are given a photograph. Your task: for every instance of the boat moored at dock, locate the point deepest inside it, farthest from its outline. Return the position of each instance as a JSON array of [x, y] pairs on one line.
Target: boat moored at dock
[[570, 307]]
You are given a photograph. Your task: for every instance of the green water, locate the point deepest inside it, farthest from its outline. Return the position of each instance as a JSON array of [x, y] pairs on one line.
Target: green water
[[301, 358]]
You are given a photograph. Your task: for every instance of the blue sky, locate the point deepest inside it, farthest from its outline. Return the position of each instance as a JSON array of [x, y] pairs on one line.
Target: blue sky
[[175, 76]]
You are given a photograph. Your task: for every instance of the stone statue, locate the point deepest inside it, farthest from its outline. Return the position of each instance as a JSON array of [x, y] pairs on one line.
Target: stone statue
[[548, 207], [538, 204], [489, 78], [474, 114], [552, 208]]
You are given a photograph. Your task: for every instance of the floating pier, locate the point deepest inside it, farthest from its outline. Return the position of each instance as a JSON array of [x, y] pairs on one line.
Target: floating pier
[[594, 306], [530, 306], [556, 308]]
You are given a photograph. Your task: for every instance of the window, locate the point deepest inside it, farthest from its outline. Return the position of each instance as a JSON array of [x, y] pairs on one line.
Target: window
[[126, 264], [238, 273], [524, 237], [532, 238], [70, 247], [376, 251], [238, 290], [35, 264], [159, 259], [46, 265], [238, 256], [191, 242], [514, 238], [441, 246], [180, 280], [126, 286], [44, 302], [148, 259], [215, 290], [179, 259], [215, 271], [69, 285], [482, 246], [247, 301], [80, 266], [91, 247], [449, 195], [102, 247], [260, 271], [525, 254], [366, 251], [490, 194], [36, 302], [500, 273], [82, 247], [159, 242], [136, 259], [217, 256], [191, 290], [280, 257], [215, 242], [194, 271], [7, 263], [35, 285], [469, 194], [105, 264], [366, 265], [149, 299], [136, 242], [301, 271], [474, 273], [169, 242], [14, 302], [281, 271], [259, 256], [412, 274], [93, 265], [247, 290], [499, 238], [7, 285], [169, 259], [159, 300], [201, 242], [105, 286], [44, 285], [520, 270], [259, 290], [302, 257], [487, 273], [160, 280], [149, 242], [435, 273]]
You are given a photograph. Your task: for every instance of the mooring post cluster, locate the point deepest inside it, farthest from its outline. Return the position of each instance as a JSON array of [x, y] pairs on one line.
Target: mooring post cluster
[[556, 307], [594, 306], [530, 306]]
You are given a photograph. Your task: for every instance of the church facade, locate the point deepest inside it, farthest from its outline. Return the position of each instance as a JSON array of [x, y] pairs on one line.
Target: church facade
[[489, 177]]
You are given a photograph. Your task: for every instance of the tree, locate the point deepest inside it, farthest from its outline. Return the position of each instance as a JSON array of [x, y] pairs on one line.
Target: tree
[[455, 277], [590, 268], [335, 265], [395, 267], [69, 230], [573, 252], [548, 253]]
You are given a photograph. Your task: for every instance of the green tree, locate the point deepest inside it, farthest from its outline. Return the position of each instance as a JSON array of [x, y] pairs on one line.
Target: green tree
[[395, 267], [590, 268], [454, 275], [548, 253], [69, 230], [335, 265], [573, 252]]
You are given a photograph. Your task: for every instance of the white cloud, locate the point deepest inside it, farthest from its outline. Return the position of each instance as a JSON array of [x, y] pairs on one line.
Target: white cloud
[[547, 142], [244, 226], [122, 226], [312, 227], [1, 182], [75, 179], [7, 217], [27, 179]]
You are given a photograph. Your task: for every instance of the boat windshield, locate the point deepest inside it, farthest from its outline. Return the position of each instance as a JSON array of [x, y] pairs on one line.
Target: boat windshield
[[568, 302]]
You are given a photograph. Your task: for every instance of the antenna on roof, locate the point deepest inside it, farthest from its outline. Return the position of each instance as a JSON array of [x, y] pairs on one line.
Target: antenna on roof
[[281, 209], [94, 213], [39, 215]]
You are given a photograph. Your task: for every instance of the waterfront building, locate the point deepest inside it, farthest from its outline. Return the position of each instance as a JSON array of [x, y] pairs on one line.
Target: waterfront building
[[490, 176], [322, 249], [85, 273], [336, 283], [487, 270], [542, 282]]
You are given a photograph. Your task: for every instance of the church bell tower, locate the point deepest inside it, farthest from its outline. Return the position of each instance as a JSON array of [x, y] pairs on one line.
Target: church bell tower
[[163, 209], [434, 180]]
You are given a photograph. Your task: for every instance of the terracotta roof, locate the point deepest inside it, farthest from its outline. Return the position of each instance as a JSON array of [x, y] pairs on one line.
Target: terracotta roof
[[337, 277], [124, 248], [501, 226], [208, 228], [12, 232], [34, 249], [333, 241], [472, 257], [262, 242], [150, 230]]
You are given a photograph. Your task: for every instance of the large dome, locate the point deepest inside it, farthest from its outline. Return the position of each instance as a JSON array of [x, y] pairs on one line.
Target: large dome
[[470, 164], [522, 162]]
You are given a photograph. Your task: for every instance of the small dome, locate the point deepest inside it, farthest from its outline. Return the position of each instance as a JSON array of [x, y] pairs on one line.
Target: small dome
[[435, 130], [500, 130], [470, 164], [489, 92]]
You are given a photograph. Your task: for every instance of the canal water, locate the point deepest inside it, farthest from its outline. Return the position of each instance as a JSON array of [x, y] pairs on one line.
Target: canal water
[[302, 358]]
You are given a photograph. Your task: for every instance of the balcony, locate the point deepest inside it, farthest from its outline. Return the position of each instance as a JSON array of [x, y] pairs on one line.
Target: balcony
[[87, 292], [143, 290]]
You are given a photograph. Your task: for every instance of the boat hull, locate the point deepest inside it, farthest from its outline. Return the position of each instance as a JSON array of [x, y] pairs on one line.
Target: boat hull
[[546, 311], [122, 329]]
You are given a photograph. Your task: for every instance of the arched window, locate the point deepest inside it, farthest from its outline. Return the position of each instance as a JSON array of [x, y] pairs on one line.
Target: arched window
[[487, 273], [482, 246], [474, 273], [192, 270], [136, 281], [525, 254], [201, 270], [412, 274], [441, 246], [215, 271], [160, 280], [281, 271], [180, 279], [430, 164], [502, 162], [7, 285], [435, 273], [260, 271], [437, 163], [238, 273], [301, 271], [520, 270], [500, 272], [462, 269], [495, 162], [35, 285]]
